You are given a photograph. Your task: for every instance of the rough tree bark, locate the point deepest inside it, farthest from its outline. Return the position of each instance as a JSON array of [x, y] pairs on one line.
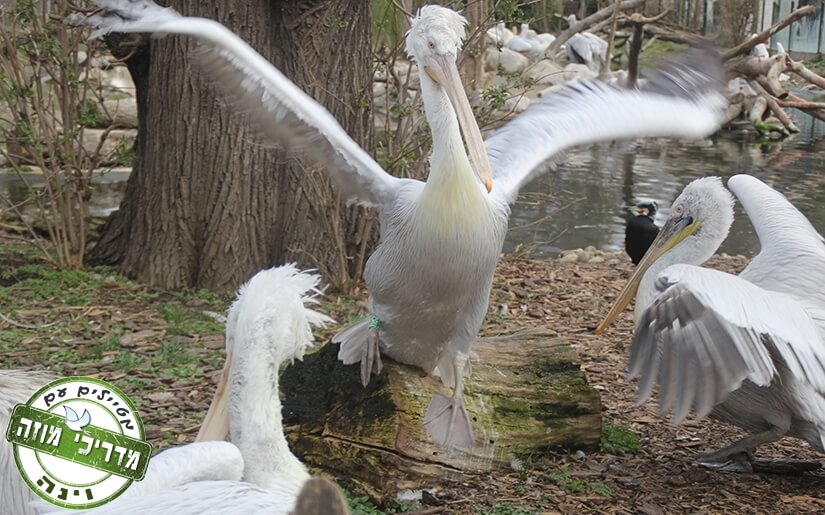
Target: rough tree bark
[[207, 205]]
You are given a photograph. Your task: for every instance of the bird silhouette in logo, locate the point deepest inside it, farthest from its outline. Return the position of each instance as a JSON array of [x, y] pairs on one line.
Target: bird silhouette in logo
[[75, 422]]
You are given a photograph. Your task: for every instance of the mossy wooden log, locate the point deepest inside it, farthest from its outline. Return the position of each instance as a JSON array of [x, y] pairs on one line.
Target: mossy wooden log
[[526, 395]]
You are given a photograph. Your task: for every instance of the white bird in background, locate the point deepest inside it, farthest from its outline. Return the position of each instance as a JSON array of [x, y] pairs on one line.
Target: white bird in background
[[545, 38], [526, 32], [500, 34], [430, 276], [529, 43], [16, 386], [748, 350], [586, 48], [760, 50], [270, 323], [519, 44]]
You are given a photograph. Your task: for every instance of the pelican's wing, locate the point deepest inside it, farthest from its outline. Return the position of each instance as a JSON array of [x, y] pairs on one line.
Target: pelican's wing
[[284, 114], [198, 461], [683, 100], [580, 50], [200, 468], [792, 254], [199, 498], [707, 331]]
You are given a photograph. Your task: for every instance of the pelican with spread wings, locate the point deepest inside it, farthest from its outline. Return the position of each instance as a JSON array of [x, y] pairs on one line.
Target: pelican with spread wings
[[748, 350], [430, 276]]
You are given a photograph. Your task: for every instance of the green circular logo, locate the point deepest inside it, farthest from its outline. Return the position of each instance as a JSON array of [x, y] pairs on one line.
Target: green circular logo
[[79, 442]]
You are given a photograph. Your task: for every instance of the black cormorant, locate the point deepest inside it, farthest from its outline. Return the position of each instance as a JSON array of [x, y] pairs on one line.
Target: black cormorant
[[641, 231]]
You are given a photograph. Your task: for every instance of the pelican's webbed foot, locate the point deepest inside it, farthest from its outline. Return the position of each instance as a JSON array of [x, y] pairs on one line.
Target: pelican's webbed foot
[[371, 357], [738, 456], [741, 462], [447, 421]]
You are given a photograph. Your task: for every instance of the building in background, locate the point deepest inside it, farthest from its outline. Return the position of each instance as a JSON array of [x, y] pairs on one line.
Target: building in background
[[803, 38]]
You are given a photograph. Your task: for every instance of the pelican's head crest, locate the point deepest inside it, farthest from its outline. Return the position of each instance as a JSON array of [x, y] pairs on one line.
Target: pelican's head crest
[[706, 200], [435, 30]]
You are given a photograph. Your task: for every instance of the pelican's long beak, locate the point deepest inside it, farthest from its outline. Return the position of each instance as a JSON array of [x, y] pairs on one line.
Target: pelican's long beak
[[443, 70], [216, 423], [672, 233]]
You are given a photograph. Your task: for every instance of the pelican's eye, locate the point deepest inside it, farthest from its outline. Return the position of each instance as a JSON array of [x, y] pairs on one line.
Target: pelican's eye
[[431, 45]]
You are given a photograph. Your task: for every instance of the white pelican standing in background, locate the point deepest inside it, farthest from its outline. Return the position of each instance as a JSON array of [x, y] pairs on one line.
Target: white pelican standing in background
[[529, 43], [16, 386], [748, 350], [430, 276], [270, 323], [500, 34], [586, 48]]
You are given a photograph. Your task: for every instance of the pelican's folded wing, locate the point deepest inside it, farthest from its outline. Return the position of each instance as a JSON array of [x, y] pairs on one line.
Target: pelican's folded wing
[[707, 331], [684, 100], [285, 115], [190, 463], [169, 471], [200, 498]]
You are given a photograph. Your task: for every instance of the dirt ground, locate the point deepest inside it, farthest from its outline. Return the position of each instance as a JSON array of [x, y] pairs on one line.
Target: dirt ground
[[571, 299], [165, 351]]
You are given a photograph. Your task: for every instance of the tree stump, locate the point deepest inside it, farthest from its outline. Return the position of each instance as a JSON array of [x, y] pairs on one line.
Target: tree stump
[[526, 395]]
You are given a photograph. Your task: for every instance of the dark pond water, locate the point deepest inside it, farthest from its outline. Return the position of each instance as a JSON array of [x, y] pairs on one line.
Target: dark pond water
[[589, 199], [108, 189]]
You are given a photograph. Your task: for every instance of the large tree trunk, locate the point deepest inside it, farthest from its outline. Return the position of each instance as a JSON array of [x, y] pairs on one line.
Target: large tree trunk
[[207, 205]]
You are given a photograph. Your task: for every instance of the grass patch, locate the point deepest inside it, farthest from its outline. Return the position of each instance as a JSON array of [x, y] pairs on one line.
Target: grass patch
[[127, 362], [11, 337], [618, 439], [817, 64], [109, 344], [347, 310], [564, 479], [171, 354], [184, 321], [659, 50], [43, 282], [505, 509], [363, 505]]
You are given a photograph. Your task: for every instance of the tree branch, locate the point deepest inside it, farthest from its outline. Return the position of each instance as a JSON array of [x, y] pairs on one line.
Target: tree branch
[[804, 72], [763, 36]]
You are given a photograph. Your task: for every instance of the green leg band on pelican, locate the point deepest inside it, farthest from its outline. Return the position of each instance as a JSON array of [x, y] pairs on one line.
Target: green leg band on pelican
[[375, 322]]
